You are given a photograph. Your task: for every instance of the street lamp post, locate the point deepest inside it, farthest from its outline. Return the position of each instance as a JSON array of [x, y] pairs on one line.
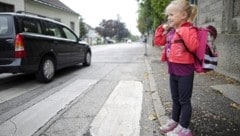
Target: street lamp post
[[145, 44]]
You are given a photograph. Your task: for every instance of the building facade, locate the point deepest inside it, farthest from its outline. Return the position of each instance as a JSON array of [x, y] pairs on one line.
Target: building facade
[[92, 37], [54, 9], [225, 16]]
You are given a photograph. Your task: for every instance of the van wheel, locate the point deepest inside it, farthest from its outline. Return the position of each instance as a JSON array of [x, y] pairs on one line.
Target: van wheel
[[87, 59], [46, 70]]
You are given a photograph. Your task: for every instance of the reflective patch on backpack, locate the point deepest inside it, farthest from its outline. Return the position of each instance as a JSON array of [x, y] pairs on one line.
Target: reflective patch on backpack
[[206, 54], [210, 62]]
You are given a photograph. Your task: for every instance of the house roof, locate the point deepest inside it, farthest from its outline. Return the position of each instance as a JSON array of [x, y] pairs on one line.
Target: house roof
[[56, 4]]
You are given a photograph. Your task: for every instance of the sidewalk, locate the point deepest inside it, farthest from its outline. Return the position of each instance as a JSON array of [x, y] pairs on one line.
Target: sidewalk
[[215, 100]]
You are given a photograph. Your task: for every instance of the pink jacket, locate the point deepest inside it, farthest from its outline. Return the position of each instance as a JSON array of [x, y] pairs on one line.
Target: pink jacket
[[178, 53]]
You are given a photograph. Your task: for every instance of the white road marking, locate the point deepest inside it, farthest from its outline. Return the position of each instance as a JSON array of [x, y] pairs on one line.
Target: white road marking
[[29, 121], [121, 113], [17, 91]]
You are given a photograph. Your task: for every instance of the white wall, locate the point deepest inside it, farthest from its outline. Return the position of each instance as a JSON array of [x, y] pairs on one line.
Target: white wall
[[45, 10]]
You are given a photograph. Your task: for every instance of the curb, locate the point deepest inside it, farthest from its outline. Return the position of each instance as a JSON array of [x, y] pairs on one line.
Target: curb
[[157, 103]]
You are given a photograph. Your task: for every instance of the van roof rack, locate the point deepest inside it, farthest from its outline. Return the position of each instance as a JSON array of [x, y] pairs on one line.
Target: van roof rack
[[25, 12]]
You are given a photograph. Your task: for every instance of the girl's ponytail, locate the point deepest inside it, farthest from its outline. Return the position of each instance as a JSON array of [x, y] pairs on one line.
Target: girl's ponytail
[[194, 11]]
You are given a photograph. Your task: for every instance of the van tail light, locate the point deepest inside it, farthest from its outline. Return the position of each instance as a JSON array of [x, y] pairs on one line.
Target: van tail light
[[19, 47]]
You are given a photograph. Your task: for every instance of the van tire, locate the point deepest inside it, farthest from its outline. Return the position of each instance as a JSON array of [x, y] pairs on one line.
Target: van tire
[[46, 70]]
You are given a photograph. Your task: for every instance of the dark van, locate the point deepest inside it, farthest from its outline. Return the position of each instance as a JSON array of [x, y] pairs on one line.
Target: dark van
[[35, 44]]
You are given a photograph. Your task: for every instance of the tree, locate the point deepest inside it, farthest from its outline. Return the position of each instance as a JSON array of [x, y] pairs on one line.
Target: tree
[[122, 32], [158, 7], [145, 16], [151, 14], [112, 28], [83, 29]]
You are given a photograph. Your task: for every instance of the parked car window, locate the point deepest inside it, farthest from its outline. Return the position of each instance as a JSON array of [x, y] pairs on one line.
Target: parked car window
[[31, 26], [69, 34], [5, 25]]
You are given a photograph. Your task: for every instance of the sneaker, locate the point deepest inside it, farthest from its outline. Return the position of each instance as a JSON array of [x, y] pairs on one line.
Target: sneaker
[[169, 126], [180, 131]]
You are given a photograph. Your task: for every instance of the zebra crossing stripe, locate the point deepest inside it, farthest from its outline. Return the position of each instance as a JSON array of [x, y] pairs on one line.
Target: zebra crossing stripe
[[30, 120], [121, 113]]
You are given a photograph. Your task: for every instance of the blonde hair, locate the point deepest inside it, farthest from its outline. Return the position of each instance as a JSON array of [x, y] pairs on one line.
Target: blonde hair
[[183, 6]]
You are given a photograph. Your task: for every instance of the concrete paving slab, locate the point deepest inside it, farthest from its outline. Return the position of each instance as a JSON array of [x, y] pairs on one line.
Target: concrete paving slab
[[121, 113], [29, 121], [230, 91]]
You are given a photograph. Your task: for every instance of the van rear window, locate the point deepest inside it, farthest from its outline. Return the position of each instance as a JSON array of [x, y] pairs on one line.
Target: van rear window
[[5, 25], [31, 25]]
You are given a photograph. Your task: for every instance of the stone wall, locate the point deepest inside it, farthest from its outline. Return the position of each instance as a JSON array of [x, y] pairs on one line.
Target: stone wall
[[225, 16]]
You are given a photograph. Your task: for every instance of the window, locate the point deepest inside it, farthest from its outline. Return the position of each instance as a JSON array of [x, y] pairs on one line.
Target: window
[[236, 9], [31, 26], [231, 19], [69, 34], [6, 7], [5, 25], [52, 29], [72, 26]]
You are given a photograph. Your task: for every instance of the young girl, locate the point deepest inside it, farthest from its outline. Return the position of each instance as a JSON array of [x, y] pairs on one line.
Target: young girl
[[173, 35]]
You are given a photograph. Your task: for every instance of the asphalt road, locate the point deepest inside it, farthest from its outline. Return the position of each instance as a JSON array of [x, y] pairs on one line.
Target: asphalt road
[[75, 103], [124, 92]]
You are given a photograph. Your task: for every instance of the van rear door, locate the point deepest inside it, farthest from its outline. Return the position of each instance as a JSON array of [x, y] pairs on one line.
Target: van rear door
[[6, 39]]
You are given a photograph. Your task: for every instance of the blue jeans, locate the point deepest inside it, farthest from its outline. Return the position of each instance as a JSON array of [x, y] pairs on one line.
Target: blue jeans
[[181, 91]]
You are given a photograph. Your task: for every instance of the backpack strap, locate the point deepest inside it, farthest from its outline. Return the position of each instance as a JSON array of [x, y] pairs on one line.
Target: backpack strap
[[192, 53]]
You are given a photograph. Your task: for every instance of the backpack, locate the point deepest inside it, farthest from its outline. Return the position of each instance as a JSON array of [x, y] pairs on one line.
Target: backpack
[[206, 56]]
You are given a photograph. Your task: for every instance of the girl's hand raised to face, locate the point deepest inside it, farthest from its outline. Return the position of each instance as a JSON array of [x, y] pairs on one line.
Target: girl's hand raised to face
[[166, 27]]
